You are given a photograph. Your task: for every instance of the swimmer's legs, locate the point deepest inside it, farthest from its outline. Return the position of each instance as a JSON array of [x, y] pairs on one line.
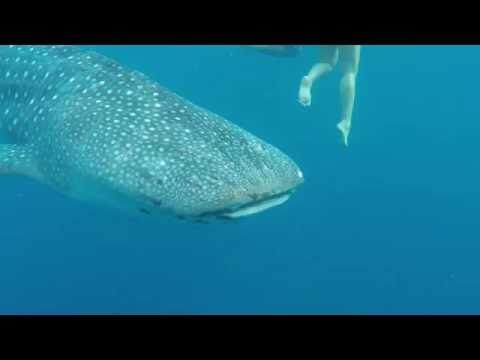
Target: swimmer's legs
[[349, 59], [328, 60]]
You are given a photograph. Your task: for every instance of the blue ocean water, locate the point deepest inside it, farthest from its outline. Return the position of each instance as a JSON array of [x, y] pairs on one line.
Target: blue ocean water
[[387, 226]]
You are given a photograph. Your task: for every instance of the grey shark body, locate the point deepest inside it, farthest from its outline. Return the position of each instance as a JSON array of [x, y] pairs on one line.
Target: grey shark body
[[97, 131]]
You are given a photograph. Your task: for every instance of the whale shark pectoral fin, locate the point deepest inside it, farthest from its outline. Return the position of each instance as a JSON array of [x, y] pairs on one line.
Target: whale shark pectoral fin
[[17, 160]]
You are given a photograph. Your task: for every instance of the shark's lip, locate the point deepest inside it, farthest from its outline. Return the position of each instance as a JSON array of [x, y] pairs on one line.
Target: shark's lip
[[256, 207], [250, 208]]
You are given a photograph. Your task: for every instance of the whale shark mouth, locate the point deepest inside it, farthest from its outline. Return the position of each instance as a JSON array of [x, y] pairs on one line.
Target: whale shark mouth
[[256, 207], [250, 208]]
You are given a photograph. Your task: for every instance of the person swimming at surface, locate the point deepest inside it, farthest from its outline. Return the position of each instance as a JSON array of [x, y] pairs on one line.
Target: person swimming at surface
[[277, 50], [330, 55]]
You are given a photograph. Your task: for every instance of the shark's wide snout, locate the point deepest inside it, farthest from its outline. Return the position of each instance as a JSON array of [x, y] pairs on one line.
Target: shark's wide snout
[[264, 184]]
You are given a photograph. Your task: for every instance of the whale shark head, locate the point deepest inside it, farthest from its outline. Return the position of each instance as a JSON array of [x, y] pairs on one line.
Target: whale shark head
[[228, 179], [198, 166], [206, 185]]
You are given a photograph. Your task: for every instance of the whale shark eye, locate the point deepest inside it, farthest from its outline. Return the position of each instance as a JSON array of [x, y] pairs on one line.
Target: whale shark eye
[[144, 211], [156, 202]]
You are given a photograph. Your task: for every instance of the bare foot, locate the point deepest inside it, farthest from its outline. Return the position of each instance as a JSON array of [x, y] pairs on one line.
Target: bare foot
[[344, 127], [305, 93]]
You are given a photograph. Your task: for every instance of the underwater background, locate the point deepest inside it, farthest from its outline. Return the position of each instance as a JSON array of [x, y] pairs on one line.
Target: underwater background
[[386, 226]]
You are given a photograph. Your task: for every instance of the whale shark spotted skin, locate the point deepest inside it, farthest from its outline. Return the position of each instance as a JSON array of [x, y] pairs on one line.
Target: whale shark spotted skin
[[94, 130]]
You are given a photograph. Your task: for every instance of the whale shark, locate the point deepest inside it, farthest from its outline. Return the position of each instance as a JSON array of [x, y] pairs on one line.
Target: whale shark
[[95, 130]]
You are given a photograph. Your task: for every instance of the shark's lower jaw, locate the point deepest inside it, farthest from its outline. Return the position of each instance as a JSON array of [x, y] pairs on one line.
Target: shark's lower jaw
[[256, 207], [247, 209]]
